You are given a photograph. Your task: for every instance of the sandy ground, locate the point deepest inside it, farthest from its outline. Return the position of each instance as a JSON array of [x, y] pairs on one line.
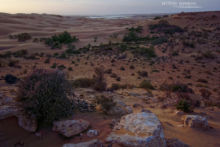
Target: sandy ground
[[86, 30]]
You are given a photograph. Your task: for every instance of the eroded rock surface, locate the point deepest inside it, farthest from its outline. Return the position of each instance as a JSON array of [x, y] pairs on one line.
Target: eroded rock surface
[[138, 130], [69, 128], [196, 121]]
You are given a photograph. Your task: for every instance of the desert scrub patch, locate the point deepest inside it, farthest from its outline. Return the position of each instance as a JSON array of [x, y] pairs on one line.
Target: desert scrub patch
[[43, 94], [145, 52], [106, 103], [22, 37], [184, 106], [146, 85], [176, 87], [163, 26], [83, 83], [116, 86], [99, 79], [56, 41]]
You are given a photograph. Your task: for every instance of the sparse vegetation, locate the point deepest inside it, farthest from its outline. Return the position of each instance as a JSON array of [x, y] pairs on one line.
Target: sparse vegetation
[[21, 37], [146, 85], [106, 103], [57, 41], [11, 79], [184, 106], [99, 79], [83, 83], [164, 27]]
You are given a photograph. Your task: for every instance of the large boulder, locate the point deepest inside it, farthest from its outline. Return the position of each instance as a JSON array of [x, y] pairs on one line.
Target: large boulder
[[27, 123], [173, 142], [138, 130], [196, 121], [69, 128], [92, 143]]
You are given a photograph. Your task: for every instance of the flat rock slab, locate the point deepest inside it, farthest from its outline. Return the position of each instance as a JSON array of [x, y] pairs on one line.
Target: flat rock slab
[[69, 128], [138, 130]]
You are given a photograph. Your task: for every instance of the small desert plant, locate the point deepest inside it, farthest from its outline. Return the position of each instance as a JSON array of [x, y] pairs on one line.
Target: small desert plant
[[43, 94], [54, 65], [11, 79], [83, 83], [23, 37], [116, 86], [61, 67], [143, 73], [146, 85], [205, 93], [99, 79], [184, 106], [20, 53], [106, 103]]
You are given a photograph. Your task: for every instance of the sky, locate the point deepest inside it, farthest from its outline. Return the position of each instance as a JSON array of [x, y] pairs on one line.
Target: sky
[[106, 7]]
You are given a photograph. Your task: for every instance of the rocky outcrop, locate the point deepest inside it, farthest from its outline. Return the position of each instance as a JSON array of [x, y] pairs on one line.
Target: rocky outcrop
[[196, 121], [175, 143], [69, 128], [29, 124], [138, 130], [92, 143]]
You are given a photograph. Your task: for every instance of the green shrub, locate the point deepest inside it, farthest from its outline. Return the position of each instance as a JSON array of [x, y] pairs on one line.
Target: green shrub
[[184, 106], [146, 52], [54, 65], [146, 85], [43, 94], [7, 54], [20, 53], [61, 67], [56, 41]]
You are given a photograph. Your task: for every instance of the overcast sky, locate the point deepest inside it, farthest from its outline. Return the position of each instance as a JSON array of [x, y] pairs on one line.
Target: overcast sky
[[103, 7]]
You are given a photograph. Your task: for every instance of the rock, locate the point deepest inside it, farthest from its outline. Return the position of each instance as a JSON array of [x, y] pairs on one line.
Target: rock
[[27, 123], [195, 121], [92, 133], [179, 113], [69, 128], [8, 111], [120, 109], [92, 143], [138, 130], [175, 143]]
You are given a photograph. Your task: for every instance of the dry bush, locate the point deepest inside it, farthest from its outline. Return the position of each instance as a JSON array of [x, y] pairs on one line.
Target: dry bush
[[43, 94], [99, 79]]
